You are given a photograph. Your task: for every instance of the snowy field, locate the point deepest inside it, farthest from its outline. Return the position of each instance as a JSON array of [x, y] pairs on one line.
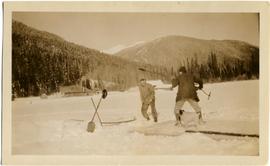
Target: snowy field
[[57, 125]]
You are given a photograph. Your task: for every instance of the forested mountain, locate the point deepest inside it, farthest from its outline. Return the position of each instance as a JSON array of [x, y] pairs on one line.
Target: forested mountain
[[175, 51], [41, 62]]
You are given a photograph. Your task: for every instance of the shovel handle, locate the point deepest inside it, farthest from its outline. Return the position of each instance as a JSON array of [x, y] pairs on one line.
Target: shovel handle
[[96, 109], [206, 93]]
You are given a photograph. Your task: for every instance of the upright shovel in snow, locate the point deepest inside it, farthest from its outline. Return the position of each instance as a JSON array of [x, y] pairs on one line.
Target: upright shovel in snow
[[91, 125]]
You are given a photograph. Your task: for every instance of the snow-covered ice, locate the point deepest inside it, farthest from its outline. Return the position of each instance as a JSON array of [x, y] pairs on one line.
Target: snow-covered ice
[[57, 125]]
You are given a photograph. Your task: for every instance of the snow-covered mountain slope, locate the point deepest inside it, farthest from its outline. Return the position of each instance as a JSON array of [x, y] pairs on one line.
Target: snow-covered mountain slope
[[58, 125], [172, 50], [121, 47]]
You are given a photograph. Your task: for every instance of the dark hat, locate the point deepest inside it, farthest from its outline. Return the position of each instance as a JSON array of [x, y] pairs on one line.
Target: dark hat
[[104, 93], [182, 69]]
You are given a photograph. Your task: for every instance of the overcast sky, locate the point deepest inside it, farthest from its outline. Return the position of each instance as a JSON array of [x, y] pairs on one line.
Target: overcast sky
[[106, 31]]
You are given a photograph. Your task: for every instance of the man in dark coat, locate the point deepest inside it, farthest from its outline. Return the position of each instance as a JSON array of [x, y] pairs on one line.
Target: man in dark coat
[[147, 93], [186, 93]]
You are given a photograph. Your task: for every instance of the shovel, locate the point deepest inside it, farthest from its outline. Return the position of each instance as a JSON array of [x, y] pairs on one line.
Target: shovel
[[207, 94], [91, 125]]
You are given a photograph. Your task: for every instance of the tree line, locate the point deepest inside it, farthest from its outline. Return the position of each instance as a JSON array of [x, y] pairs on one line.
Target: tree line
[[224, 69]]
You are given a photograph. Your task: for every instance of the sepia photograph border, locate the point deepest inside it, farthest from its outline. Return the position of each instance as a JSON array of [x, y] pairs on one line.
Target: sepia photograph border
[[176, 7]]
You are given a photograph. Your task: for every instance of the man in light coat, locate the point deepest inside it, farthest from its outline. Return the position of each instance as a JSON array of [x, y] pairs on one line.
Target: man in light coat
[[147, 93]]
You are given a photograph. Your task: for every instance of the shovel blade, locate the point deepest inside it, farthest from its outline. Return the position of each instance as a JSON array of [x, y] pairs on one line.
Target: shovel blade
[[91, 127]]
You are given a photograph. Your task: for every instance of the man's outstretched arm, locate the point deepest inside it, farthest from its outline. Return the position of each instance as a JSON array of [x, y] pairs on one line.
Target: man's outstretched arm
[[175, 82]]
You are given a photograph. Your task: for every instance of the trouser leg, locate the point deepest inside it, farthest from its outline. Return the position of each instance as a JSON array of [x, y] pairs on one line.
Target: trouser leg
[[153, 109], [196, 107], [144, 111], [178, 106]]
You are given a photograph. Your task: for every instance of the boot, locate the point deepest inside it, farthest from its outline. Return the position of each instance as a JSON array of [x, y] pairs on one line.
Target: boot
[[155, 119], [201, 121], [178, 119], [177, 123]]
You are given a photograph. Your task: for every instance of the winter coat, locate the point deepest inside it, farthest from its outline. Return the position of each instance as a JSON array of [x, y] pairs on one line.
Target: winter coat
[[147, 93], [186, 87]]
